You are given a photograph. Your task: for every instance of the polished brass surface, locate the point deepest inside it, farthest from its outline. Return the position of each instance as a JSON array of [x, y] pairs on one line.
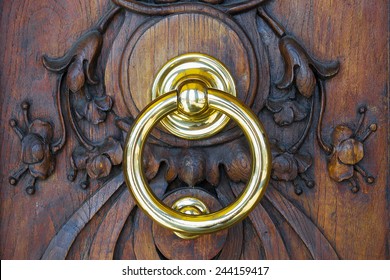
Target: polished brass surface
[[204, 223], [190, 206], [192, 98], [202, 69]]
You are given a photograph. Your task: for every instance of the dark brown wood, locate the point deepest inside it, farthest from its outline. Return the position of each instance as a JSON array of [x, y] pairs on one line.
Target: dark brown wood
[[74, 75], [204, 247], [138, 65]]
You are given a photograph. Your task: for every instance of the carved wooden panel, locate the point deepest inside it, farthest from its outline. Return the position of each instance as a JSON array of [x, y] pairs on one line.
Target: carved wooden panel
[[75, 75]]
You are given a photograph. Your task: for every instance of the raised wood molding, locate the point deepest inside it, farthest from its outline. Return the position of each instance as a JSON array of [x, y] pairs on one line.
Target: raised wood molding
[[95, 94]]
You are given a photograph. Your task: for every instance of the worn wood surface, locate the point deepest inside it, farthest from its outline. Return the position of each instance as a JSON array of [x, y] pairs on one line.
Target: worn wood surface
[[99, 220], [356, 33]]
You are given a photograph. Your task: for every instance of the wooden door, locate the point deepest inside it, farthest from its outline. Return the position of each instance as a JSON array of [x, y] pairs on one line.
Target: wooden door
[[75, 74]]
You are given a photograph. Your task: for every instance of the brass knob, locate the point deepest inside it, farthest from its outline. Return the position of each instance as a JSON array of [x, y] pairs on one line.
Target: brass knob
[[193, 98], [193, 71]]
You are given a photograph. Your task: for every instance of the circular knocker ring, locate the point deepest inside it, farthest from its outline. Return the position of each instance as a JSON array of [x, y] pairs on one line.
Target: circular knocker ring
[[189, 217]]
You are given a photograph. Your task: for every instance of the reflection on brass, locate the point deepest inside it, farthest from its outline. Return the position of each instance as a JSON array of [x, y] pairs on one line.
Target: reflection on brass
[[201, 70], [190, 206], [218, 101], [192, 98]]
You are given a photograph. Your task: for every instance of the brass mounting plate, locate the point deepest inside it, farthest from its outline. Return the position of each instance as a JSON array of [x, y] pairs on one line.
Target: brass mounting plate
[[194, 67]]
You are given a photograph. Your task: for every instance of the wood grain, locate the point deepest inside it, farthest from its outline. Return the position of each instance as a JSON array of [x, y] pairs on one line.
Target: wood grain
[[355, 32], [326, 222], [28, 30]]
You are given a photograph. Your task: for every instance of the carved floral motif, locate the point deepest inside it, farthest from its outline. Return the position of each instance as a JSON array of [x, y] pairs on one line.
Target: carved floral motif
[[86, 100], [287, 109], [348, 151], [79, 65], [225, 167], [77, 74], [96, 163], [94, 109], [79, 62], [290, 167], [301, 69], [38, 149], [303, 74]]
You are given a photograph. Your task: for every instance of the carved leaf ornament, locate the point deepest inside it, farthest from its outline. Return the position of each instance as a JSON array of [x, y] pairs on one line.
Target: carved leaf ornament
[[218, 169]]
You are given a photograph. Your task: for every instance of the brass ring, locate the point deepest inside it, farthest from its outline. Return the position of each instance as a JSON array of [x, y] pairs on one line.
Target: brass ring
[[204, 223]]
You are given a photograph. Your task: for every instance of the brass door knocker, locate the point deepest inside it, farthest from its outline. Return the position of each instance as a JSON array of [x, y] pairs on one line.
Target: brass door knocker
[[194, 98]]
